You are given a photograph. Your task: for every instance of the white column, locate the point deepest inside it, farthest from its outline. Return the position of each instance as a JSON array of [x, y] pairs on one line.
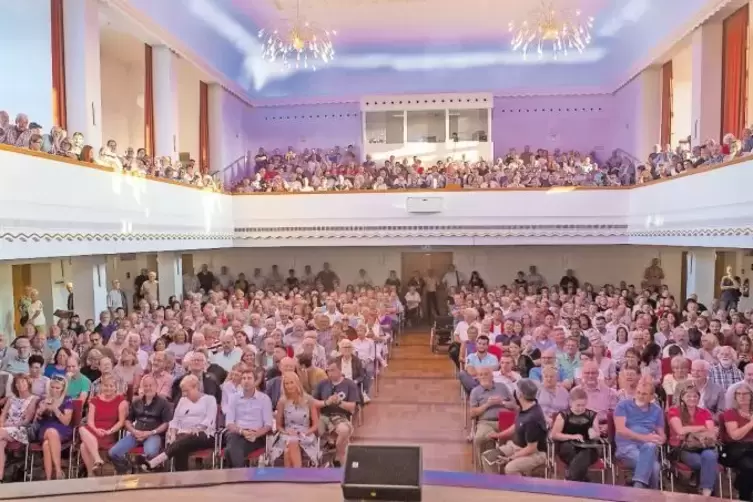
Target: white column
[[701, 279], [89, 286], [166, 118], [83, 80], [706, 107], [170, 276], [7, 303]]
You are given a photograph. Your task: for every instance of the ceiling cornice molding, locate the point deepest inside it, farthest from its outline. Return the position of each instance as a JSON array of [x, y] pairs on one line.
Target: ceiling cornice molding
[[180, 48], [659, 50]]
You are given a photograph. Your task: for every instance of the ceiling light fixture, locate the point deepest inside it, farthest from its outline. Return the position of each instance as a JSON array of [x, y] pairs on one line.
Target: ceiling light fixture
[[300, 45], [549, 29]]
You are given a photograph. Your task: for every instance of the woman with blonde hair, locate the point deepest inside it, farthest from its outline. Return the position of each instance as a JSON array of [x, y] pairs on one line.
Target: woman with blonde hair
[[36, 311], [17, 413], [106, 417], [680, 370], [298, 421], [54, 416], [128, 369]]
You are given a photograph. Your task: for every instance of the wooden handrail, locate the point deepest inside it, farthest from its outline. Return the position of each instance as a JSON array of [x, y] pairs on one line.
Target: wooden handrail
[[88, 165]]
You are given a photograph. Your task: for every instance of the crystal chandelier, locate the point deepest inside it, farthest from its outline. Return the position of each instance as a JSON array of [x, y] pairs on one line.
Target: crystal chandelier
[[552, 30], [301, 45]]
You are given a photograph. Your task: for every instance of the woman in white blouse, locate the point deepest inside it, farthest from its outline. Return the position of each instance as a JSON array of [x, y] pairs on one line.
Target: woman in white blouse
[[619, 345], [192, 428], [36, 311]]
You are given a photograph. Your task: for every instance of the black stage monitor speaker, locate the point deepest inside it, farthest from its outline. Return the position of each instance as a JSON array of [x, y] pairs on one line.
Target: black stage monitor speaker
[[384, 473]]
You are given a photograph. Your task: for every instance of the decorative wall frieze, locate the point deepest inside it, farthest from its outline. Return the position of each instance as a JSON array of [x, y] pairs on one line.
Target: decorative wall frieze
[[14, 237]]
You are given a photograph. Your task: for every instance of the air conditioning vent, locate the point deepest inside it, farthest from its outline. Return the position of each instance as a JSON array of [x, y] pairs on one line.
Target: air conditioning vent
[[424, 204]]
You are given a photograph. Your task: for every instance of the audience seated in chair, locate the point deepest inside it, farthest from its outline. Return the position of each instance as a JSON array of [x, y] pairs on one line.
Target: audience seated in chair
[[639, 435], [249, 418], [192, 428], [523, 450], [297, 418], [692, 437], [337, 398], [573, 432], [148, 418]]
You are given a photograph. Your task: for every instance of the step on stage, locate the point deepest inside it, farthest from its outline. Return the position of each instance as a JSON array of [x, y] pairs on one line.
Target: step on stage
[[317, 485]]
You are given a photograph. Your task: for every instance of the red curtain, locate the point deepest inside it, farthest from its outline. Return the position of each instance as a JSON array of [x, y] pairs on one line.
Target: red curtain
[[734, 72], [148, 101], [59, 113], [203, 127], [666, 103]]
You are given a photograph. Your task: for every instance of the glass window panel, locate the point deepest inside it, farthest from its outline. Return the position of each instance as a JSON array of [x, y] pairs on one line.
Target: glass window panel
[[469, 125], [426, 126], [385, 127]]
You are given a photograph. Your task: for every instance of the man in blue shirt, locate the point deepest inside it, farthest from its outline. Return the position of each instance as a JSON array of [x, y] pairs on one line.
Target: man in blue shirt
[[639, 433], [479, 359]]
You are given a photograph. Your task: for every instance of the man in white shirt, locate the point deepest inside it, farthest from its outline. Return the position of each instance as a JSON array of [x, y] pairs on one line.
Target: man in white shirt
[[225, 279], [116, 298], [190, 282], [452, 279], [680, 336], [229, 355], [535, 279], [363, 279], [332, 313], [413, 305]]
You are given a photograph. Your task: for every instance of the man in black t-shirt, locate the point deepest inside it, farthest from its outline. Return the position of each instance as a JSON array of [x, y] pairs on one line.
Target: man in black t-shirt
[[525, 449], [337, 397]]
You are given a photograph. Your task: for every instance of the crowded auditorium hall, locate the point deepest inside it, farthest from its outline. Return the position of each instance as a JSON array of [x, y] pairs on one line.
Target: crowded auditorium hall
[[312, 255]]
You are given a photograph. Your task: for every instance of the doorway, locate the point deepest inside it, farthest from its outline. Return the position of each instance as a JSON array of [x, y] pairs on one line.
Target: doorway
[[21, 279], [439, 262]]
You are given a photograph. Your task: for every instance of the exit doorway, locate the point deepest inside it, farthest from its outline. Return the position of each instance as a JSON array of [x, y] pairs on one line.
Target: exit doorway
[[438, 262]]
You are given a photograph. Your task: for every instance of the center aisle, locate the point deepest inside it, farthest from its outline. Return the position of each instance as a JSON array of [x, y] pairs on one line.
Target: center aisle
[[419, 403]]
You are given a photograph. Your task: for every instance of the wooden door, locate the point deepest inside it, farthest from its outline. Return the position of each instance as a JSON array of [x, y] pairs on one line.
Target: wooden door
[[21, 279], [187, 263], [423, 262], [439, 262]]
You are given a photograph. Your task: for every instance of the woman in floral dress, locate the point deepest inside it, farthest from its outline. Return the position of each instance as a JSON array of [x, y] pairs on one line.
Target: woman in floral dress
[[297, 422], [17, 414]]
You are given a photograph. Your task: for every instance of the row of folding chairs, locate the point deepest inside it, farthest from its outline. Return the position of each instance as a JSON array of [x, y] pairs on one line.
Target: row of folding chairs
[[607, 465]]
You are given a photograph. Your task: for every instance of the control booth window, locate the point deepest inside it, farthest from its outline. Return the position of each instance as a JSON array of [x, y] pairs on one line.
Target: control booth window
[[427, 126], [385, 127], [469, 125]]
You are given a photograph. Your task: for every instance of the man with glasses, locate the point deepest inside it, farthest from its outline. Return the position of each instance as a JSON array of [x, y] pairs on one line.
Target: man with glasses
[[18, 362], [95, 339], [548, 358], [729, 396], [337, 398], [639, 434], [712, 395]]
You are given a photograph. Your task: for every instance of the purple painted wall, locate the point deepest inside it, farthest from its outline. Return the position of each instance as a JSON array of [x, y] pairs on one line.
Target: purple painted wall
[[305, 126], [583, 123]]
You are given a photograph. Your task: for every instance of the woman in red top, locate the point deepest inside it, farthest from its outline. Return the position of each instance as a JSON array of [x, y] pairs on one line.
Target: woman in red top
[[689, 418], [107, 414], [738, 447]]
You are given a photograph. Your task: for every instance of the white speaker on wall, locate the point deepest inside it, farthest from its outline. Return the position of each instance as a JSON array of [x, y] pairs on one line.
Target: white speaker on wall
[[424, 204]]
